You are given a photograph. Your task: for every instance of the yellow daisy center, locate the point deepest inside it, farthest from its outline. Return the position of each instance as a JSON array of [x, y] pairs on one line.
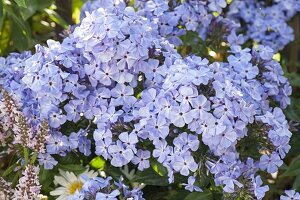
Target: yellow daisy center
[[77, 185]]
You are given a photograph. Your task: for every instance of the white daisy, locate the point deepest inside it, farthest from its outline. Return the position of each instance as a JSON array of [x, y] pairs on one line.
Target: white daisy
[[70, 183]]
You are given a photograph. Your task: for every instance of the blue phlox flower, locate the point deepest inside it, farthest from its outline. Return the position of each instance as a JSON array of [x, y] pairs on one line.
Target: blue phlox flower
[[141, 159], [259, 190], [289, 195], [270, 163], [47, 161], [190, 185], [120, 155]]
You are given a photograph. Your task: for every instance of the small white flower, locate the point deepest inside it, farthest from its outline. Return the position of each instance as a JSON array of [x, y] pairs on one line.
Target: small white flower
[[70, 183]]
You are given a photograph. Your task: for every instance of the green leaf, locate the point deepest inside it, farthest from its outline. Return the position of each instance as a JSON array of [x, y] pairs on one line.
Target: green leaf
[[296, 185], [293, 110], [9, 170], [177, 194], [16, 178], [14, 13], [150, 177], [113, 171], [56, 18], [294, 78], [1, 10], [158, 168], [40, 5], [19, 38], [77, 169], [205, 195], [70, 158], [21, 3], [28, 12], [293, 169], [34, 6], [76, 6], [131, 3], [46, 177], [98, 163], [2, 17]]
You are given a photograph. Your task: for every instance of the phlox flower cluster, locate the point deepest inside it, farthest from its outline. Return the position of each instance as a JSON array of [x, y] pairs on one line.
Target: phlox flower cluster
[[174, 18], [266, 24], [141, 99], [220, 103]]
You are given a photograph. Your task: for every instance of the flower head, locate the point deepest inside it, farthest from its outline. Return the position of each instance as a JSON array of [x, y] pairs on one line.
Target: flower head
[[70, 183]]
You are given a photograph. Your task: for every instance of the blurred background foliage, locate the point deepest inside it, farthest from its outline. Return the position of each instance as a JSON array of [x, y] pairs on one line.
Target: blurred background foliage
[[289, 175], [25, 23]]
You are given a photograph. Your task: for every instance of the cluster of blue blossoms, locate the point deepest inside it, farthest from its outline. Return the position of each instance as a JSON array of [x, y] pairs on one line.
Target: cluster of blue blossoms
[[119, 70], [266, 24], [174, 18]]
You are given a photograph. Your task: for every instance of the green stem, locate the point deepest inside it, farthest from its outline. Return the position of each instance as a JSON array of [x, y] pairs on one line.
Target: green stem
[[33, 158], [26, 155]]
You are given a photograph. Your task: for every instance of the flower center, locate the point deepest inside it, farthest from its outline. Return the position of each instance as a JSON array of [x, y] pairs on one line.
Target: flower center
[[77, 185]]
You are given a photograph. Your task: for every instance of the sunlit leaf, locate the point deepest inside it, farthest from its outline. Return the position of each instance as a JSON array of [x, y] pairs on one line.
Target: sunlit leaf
[[158, 168], [98, 163], [76, 6], [56, 18]]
